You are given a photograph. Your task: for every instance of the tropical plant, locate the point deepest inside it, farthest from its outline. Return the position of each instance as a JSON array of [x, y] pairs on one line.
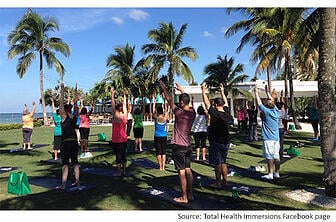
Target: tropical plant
[[326, 93], [223, 71], [166, 49], [30, 36], [69, 91]]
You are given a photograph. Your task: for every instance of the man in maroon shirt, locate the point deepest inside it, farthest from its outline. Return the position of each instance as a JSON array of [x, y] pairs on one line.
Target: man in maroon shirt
[[184, 118]]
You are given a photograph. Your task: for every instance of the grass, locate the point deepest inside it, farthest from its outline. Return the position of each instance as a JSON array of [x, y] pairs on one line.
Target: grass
[[122, 194]]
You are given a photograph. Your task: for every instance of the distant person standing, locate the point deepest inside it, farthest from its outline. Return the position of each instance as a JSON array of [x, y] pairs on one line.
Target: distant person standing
[[218, 135], [314, 118], [285, 118], [129, 120], [57, 130], [69, 148], [160, 133], [269, 134], [184, 118], [27, 126], [200, 132], [138, 129], [119, 136], [240, 119], [84, 126], [253, 122]]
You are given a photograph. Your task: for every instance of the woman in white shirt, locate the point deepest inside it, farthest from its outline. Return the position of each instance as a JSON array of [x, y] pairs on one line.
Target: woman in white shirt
[[200, 131]]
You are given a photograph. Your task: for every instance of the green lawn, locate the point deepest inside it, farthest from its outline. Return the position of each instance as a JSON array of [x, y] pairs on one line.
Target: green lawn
[[122, 194]]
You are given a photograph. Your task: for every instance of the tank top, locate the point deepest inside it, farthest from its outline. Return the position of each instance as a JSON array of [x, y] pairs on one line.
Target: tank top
[[27, 122], [137, 121], [84, 121], [68, 128], [118, 131], [160, 128]]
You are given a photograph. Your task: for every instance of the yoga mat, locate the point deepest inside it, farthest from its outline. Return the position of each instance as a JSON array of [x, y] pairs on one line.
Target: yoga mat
[[145, 163], [6, 169], [254, 175], [100, 149], [52, 161], [36, 146], [52, 183], [200, 202], [109, 172], [284, 160], [242, 189]]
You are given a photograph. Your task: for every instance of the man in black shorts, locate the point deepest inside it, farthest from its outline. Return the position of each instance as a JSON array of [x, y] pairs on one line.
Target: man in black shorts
[[184, 118], [218, 135]]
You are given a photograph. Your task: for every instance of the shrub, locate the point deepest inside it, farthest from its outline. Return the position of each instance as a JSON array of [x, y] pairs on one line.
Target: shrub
[[3, 127]]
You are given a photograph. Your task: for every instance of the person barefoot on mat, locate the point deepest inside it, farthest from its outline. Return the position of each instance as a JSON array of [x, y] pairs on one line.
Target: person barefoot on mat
[[184, 118], [69, 148], [160, 134], [119, 136], [84, 126], [27, 126], [218, 135], [57, 130]]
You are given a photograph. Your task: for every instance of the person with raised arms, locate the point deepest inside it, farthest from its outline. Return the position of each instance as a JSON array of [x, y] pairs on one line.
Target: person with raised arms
[[57, 130], [27, 126], [160, 133], [84, 126], [69, 148], [138, 129], [269, 133], [184, 118], [218, 134], [119, 136]]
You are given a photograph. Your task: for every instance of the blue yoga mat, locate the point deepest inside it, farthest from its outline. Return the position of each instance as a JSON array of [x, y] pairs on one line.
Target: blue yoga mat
[[145, 163], [109, 172], [6, 169]]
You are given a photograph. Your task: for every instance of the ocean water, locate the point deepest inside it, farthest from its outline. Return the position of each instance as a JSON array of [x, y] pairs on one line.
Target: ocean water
[[6, 118]]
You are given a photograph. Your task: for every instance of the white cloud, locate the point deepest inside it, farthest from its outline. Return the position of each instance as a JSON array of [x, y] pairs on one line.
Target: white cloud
[[138, 15], [117, 20], [224, 29], [207, 34]]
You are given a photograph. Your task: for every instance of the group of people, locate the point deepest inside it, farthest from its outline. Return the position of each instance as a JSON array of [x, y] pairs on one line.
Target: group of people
[[272, 131]]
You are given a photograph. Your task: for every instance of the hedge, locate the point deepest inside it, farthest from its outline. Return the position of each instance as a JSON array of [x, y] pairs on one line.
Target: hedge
[[11, 126]]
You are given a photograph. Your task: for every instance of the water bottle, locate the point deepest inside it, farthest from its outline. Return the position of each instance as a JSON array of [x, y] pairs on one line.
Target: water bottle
[[199, 181], [234, 192]]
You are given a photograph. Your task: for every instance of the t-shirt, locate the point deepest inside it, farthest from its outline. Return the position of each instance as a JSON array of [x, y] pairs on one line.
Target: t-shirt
[[27, 122], [57, 121], [219, 126], [183, 122], [252, 115], [314, 114], [200, 123], [269, 127], [68, 128], [84, 121], [137, 120], [241, 115]]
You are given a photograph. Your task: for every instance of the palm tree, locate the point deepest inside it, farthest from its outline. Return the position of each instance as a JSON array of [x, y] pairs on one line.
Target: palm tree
[[327, 108], [30, 36], [166, 49], [122, 63], [223, 71]]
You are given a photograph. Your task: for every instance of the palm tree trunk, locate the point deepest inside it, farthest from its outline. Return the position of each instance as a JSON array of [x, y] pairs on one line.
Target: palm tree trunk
[[269, 81], [286, 80], [326, 93], [45, 118], [291, 92]]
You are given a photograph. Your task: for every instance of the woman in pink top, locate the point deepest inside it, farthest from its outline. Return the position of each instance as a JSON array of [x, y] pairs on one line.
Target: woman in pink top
[[119, 136], [240, 118], [84, 126]]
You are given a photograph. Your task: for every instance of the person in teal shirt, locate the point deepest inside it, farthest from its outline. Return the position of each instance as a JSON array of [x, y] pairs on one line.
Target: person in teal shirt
[[57, 130], [138, 129]]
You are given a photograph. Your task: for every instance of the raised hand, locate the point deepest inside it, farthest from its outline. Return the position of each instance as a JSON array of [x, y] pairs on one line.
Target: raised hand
[[34, 103], [203, 86], [221, 87], [179, 87], [112, 91]]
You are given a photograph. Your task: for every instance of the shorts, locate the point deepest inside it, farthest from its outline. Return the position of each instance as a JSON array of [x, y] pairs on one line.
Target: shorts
[[181, 156], [26, 133], [120, 152], [84, 133], [129, 127], [200, 139], [57, 142], [218, 153], [138, 132], [69, 150], [160, 144], [271, 149]]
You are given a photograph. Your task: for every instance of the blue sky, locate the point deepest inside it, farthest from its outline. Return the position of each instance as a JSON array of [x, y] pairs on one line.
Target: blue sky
[[93, 33]]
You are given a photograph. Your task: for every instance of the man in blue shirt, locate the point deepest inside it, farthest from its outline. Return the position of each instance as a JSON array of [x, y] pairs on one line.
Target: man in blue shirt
[[270, 134]]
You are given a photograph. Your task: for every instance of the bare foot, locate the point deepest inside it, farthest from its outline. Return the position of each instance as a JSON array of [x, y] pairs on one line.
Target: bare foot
[[61, 187], [30, 148], [180, 200], [215, 186], [190, 197]]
